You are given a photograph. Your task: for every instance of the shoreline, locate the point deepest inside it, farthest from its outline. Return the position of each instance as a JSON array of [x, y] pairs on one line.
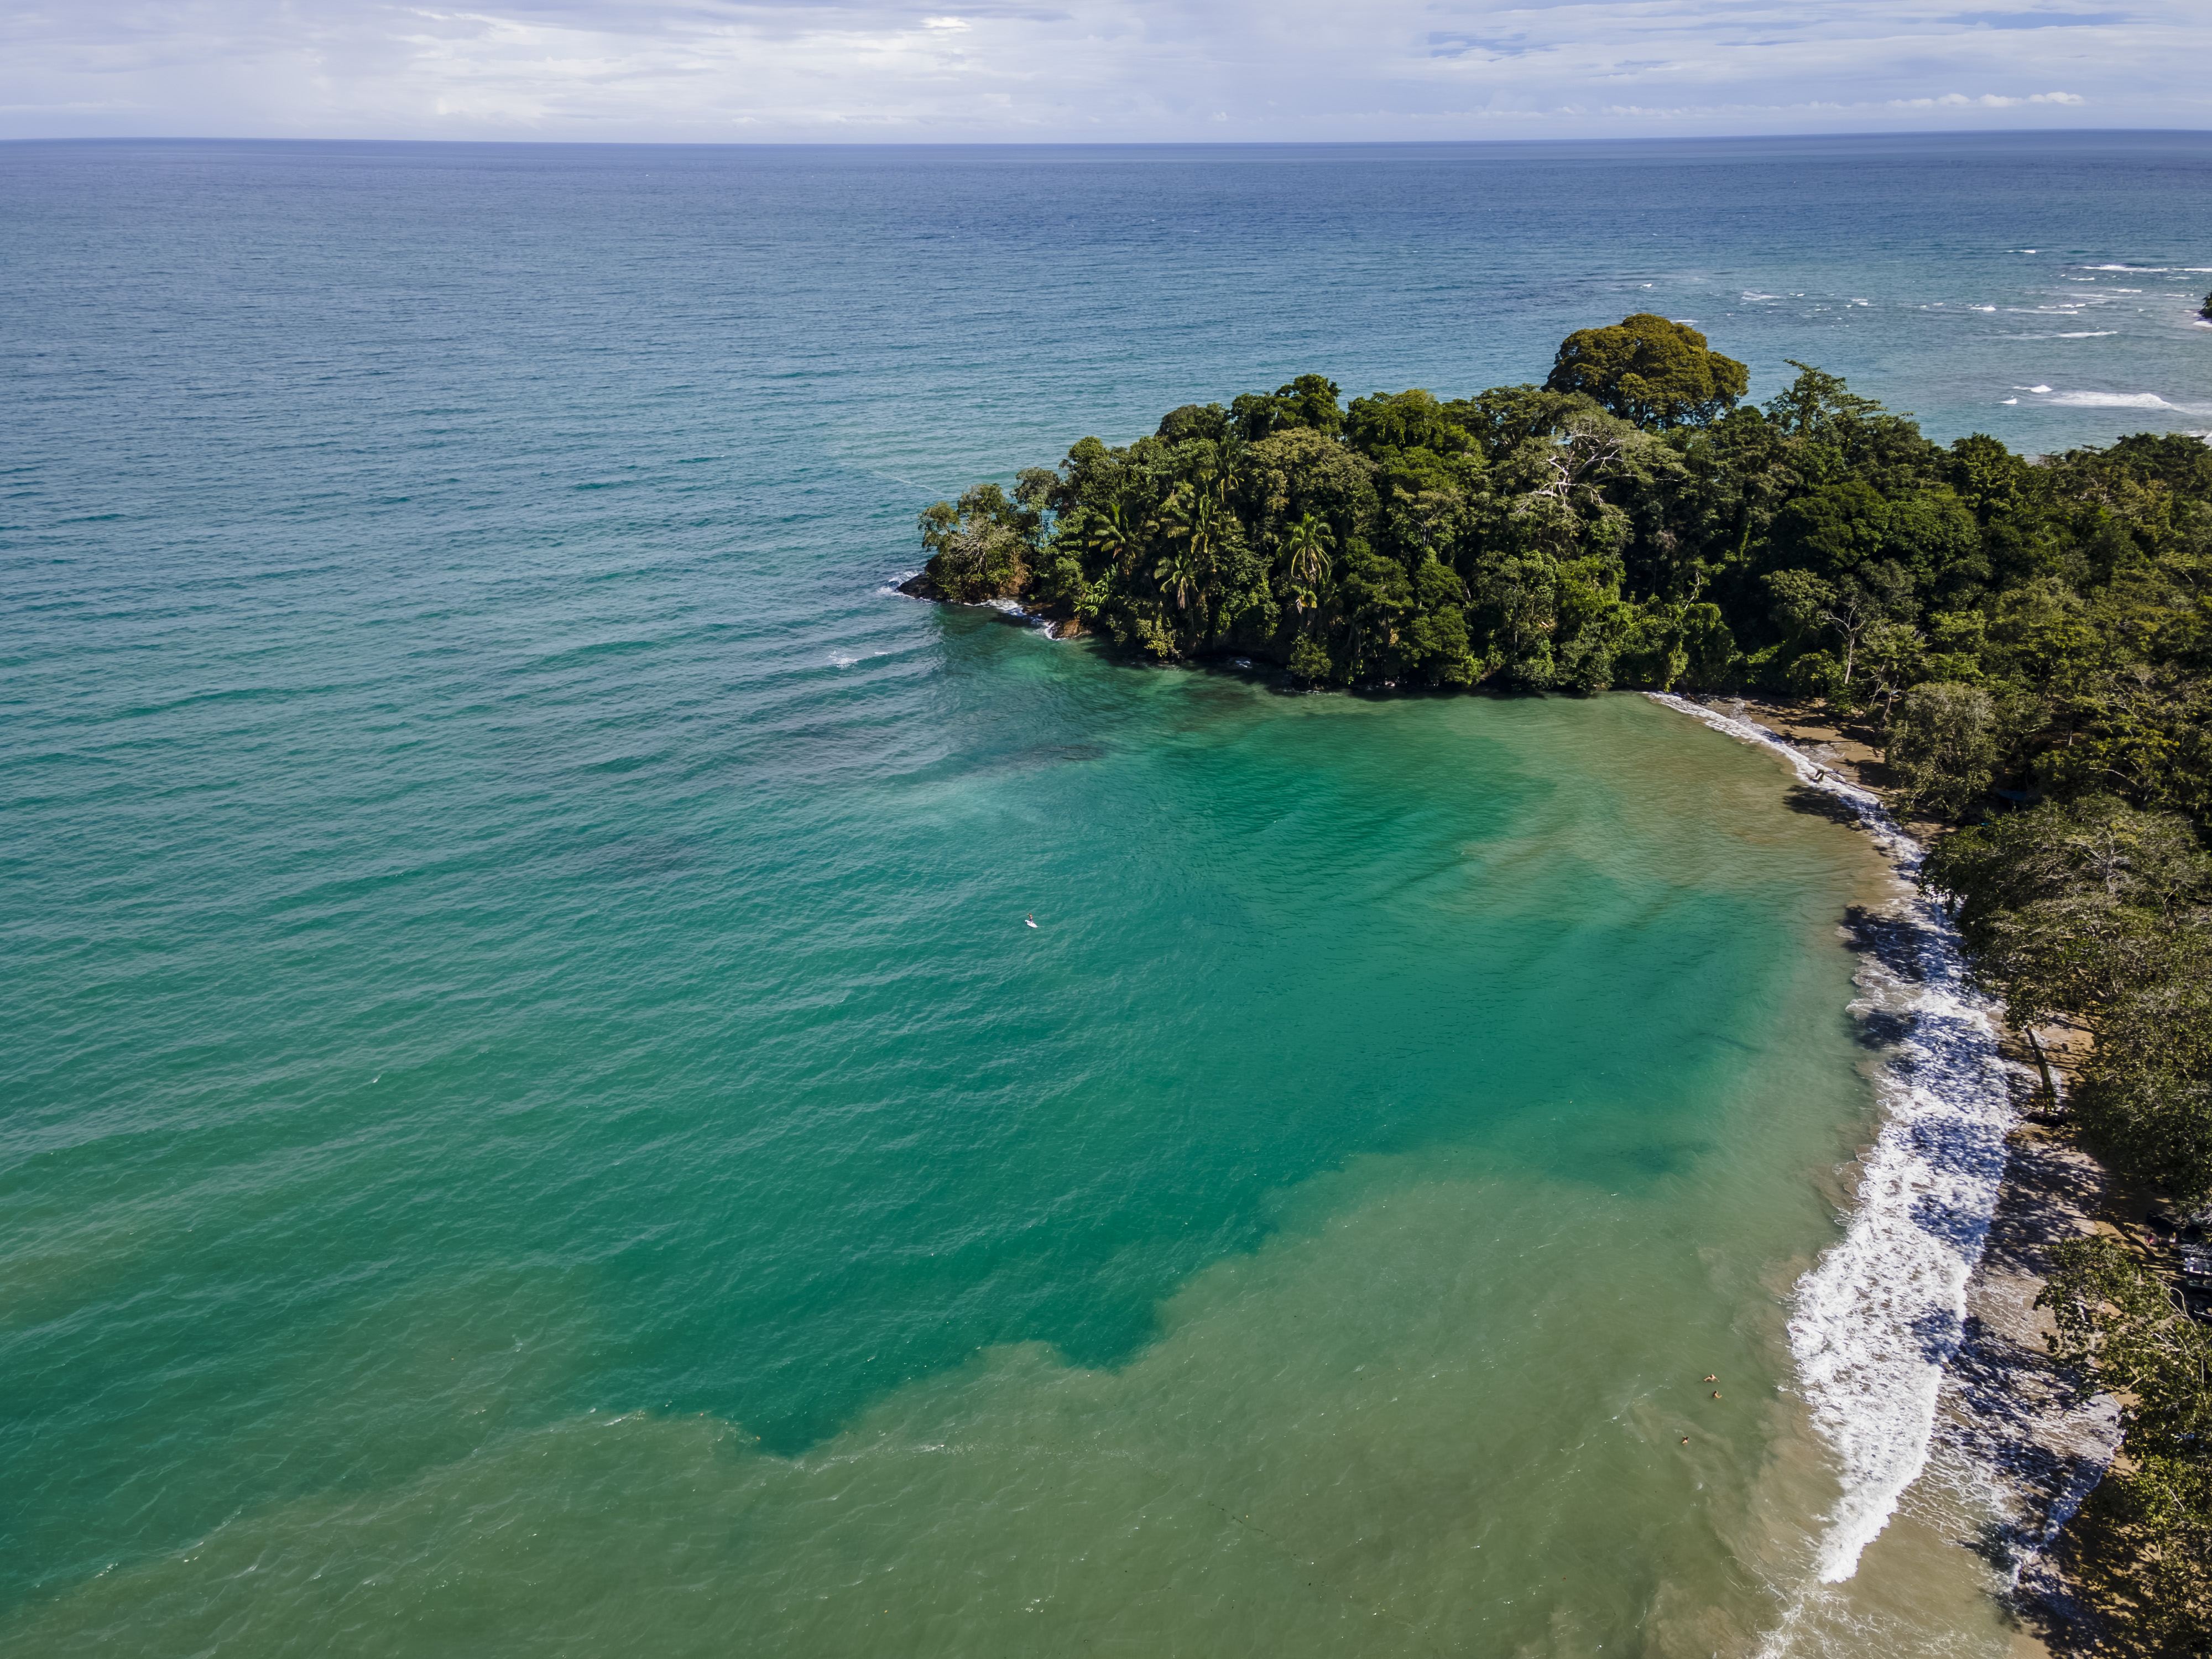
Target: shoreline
[[2002, 1418]]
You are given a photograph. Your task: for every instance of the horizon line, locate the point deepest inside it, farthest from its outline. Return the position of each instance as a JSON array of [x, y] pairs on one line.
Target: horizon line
[[1951, 134]]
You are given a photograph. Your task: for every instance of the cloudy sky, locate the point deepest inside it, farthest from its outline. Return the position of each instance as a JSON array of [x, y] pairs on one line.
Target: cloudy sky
[[1087, 69]]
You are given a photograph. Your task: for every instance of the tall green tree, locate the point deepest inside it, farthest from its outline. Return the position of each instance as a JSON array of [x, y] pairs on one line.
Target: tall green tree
[[981, 549], [1649, 370], [1305, 559], [2145, 1535], [1942, 743]]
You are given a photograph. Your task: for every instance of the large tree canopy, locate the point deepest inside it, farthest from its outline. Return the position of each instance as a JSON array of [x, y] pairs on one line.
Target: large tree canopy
[[1650, 371]]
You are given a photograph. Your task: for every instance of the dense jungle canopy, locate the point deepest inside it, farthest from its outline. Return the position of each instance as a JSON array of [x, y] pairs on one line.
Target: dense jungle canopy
[[1631, 523]]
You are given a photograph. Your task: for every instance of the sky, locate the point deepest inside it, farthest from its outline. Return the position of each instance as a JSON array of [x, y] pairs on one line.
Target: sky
[[1087, 70]]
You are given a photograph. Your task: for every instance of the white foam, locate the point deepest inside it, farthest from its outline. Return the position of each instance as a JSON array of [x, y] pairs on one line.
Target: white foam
[[2110, 400], [1013, 608], [2092, 334], [1881, 1312]]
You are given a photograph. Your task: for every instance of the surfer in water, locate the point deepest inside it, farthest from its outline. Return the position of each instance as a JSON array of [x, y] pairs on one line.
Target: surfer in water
[[1031, 920]]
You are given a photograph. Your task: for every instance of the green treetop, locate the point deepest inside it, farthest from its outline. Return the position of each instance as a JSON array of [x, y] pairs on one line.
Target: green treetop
[[1650, 371]]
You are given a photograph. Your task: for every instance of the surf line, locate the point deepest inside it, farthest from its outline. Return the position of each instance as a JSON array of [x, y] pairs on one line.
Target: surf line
[[1882, 1312]]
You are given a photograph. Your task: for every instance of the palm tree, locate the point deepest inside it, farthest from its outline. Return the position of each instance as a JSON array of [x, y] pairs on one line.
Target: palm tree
[[1193, 514], [1110, 535], [1190, 521], [1218, 473], [1181, 573], [1321, 593], [1306, 560]]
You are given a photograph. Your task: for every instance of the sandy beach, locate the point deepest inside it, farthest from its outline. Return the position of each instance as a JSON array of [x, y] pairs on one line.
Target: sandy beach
[[2005, 1409]]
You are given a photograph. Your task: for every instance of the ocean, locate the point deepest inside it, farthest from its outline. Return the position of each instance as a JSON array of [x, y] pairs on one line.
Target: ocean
[[533, 1122]]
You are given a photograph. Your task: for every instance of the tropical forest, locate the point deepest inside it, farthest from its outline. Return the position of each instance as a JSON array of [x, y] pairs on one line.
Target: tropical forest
[[2027, 640]]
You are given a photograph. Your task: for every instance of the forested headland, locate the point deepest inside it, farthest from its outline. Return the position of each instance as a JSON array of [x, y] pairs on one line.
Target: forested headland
[[2028, 638]]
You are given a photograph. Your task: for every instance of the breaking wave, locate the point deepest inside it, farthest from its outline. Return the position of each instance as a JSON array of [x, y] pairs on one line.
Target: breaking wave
[[1883, 1311]]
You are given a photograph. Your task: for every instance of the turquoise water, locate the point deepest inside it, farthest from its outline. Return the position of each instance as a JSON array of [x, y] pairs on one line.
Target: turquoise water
[[1468, 1018], [532, 1122]]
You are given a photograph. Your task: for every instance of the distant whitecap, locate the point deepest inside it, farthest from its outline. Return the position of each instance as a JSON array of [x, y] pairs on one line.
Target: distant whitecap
[[2111, 400]]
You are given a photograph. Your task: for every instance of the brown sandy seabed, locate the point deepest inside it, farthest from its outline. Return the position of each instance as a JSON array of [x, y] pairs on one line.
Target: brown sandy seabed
[[2004, 1403]]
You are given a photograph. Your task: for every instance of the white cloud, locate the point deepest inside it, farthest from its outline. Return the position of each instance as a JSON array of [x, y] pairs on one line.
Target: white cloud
[[1987, 100], [712, 69]]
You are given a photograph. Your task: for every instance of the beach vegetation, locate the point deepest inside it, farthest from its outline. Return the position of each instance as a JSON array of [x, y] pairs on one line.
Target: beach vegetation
[[2102, 912], [2143, 1540], [982, 547], [1941, 745]]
